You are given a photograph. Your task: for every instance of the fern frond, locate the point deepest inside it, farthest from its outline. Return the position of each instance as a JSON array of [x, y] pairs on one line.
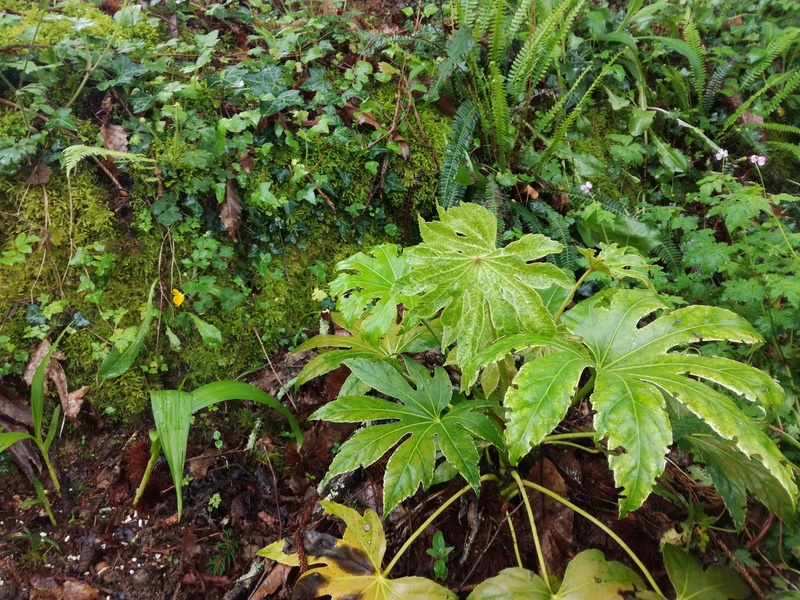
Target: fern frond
[[522, 12], [497, 34], [670, 255], [714, 83], [450, 191], [777, 99], [563, 129], [747, 103], [774, 48], [75, 154], [530, 64], [501, 116], [696, 63], [692, 37], [774, 127], [460, 44], [557, 228], [786, 146], [466, 12]]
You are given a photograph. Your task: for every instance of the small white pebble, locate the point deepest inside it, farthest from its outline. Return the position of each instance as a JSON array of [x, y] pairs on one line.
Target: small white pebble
[[86, 573], [66, 537], [131, 571], [133, 559], [43, 534], [158, 555], [140, 523]]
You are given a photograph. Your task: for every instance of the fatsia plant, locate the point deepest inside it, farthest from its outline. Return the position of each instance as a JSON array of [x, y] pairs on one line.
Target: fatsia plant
[[483, 292], [427, 421], [351, 567], [633, 374]]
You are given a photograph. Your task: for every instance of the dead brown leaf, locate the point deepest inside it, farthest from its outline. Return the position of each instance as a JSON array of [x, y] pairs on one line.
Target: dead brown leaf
[[77, 590], [404, 148], [114, 138], [14, 407], [199, 466], [274, 580], [40, 175], [246, 163], [231, 210], [71, 402], [532, 193], [554, 520]]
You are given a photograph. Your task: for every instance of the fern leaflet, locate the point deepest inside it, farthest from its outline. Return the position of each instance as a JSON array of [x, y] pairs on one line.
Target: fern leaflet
[[450, 191]]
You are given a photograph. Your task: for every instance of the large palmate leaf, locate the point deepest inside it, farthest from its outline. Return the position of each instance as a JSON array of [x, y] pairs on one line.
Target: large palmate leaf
[[486, 292], [397, 340], [588, 577], [634, 370], [370, 287], [420, 427], [735, 474], [692, 582], [351, 567]]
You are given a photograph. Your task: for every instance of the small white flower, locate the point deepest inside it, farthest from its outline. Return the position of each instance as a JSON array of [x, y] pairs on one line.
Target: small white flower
[[758, 160], [587, 187], [722, 154]]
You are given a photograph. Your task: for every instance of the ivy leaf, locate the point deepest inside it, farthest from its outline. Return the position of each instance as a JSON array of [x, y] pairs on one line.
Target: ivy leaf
[[485, 292], [351, 566], [691, 581], [420, 426], [588, 577], [370, 287]]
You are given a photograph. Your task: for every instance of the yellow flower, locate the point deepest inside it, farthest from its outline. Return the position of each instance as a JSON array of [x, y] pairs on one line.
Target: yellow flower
[[177, 297]]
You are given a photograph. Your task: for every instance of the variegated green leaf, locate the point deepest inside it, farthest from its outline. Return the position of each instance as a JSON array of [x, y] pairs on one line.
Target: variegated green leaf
[[589, 576], [370, 288], [484, 292], [359, 344], [634, 368], [420, 426]]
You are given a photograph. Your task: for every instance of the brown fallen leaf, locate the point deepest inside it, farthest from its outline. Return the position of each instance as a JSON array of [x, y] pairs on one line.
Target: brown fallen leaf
[[274, 580], [230, 210], [199, 466], [77, 590], [71, 402], [554, 520], [114, 138], [40, 175]]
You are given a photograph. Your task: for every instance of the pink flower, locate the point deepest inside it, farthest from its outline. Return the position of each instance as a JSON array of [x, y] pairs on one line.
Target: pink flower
[[758, 160], [586, 187], [722, 154]]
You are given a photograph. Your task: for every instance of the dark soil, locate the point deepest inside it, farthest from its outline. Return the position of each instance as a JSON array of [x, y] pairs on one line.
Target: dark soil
[[239, 501]]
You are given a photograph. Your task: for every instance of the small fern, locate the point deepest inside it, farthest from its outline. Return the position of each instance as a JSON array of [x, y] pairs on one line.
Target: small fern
[[714, 83], [774, 48], [75, 154], [450, 191], [788, 88], [773, 127], [459, 46], [670, 255], [772, 82], [565, 126], [698, 66], [501, 116]]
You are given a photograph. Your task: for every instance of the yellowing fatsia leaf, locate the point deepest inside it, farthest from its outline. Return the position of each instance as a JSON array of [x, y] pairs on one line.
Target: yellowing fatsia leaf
[[351, 567]]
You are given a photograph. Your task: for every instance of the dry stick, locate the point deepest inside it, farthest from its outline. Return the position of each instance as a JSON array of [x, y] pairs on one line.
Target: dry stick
[[739, 566], [488, 545], [272, 368]]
